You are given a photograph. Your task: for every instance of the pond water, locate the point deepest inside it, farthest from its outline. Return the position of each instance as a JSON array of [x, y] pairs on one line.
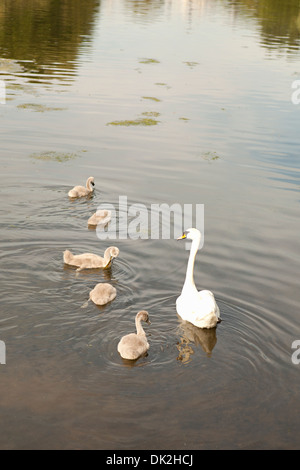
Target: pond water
[[186, 102]]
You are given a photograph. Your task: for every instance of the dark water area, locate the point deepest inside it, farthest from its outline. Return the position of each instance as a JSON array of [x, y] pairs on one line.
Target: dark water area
[[186, 102]]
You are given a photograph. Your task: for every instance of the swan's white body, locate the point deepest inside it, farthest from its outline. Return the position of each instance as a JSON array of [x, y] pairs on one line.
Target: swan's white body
[[80, 191], [196, 307]]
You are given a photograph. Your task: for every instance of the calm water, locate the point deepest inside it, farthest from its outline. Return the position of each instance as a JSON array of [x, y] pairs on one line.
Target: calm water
[[217, 77]]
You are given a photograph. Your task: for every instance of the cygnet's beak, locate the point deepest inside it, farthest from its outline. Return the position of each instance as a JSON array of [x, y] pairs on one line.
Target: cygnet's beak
[[92, 182], [182, 237], [148, 322]]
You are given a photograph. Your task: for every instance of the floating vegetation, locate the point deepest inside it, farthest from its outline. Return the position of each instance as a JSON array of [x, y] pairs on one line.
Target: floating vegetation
[[151, 113], [152, 98], [162, 84], [53, 156], [184, 119], [148, 61], [134, 122], [191, 64], [210, 156], [39, 108]]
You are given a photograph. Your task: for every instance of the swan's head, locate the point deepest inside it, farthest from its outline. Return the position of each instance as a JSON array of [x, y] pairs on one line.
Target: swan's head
[[143, 316], [191, 234]]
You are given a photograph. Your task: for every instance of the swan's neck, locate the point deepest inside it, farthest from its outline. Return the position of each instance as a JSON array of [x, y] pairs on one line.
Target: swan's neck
[[139, 328], [89, 185], [107, 257], [189, 282]]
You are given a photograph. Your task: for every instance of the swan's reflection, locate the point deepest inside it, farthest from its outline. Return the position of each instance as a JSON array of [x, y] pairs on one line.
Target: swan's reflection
[[139, 362], [191, 336], [105, 274]]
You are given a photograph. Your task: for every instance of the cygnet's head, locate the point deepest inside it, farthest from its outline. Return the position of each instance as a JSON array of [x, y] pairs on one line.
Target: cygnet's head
[[91, 180], [110, 253], [190, 234], [113, 251], [143, 316]]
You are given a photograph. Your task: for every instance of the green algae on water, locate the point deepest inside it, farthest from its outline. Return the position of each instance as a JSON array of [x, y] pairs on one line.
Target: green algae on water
[[39, 108], [53, 156], [191, 64], [210, 156], [162, 84], [151, 113], [152, 98], [134, 122], [148, 61]]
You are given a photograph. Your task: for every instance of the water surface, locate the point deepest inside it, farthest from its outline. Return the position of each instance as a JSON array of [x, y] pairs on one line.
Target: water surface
[[217, 77]]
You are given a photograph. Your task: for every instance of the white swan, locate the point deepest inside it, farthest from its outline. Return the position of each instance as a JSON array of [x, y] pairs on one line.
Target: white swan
[[100, 217], [91, 261], [199, 308], [103, 293], [134, 345], [79, 191]]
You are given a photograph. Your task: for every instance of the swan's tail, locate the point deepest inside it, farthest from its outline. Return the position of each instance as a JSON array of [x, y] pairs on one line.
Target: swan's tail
[[68, 256]]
